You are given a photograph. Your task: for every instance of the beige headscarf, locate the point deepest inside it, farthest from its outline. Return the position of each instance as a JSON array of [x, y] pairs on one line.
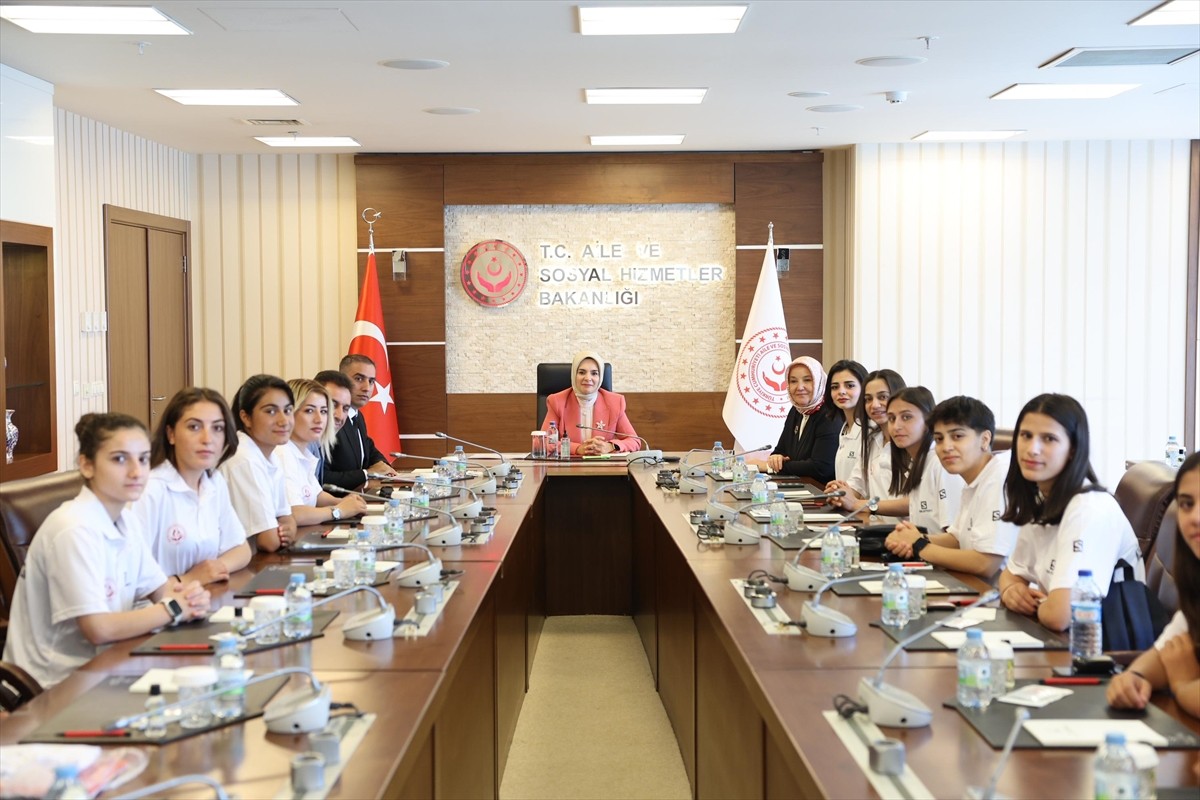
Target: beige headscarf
[[575, 362], [818, 376]]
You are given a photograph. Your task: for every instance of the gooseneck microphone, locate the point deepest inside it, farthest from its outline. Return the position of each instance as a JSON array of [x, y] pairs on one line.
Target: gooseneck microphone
[[360, 627], [498, 471], [157, 789], [695, 471], [893, 707], [805, 579], [485, 486], [645, 454], [464, 511]]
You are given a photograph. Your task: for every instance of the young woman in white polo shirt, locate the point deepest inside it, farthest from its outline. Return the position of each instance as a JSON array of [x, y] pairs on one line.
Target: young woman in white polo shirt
[[977, 541], [262, 411], [933, 494], [1174, 661], [872, 475], [842, 390], [311, 505], [1068, 521], [89, 564], [186, 512]]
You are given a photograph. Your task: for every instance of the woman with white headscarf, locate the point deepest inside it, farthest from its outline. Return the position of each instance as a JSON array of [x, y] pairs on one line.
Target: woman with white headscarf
[[593, 417], [809, 442]]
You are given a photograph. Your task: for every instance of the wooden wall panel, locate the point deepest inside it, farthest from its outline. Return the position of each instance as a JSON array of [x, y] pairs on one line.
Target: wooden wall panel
[[787, 194], [588, 181], [419, 375], [800, 288], [500, 421], [414, 310], [410, 198]]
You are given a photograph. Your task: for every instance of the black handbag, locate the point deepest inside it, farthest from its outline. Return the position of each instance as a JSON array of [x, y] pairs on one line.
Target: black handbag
[[1131, 617], [871, 538]]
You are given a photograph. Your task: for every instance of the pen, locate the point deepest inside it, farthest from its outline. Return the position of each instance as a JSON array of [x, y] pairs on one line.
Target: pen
[[1072, 681], [269, 591], [120, 732], [184, 647]]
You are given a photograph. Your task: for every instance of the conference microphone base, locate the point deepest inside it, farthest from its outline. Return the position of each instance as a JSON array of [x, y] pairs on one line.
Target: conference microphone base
[[718, 511], [691, 487], [486, 486], [469, 510], [890, 707], [826, 622], [740, 534], [419, 575], [647, 457], [802, 579], [500, 470], [445, 537], [366, 626], [299, 712]]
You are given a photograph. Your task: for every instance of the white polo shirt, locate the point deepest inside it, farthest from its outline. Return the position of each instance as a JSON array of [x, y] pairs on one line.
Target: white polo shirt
[[878, 478], [184, 527], [80, 563], [1175, 627], [1093, 534], [848, 453], [935, 502], [978, 525], [300, 474], [256, 486]]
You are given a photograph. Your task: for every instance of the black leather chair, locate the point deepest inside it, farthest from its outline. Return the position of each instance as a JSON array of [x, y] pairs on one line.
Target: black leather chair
[[1160, 565], [1144, 492], [24, 505], [17, 686], [554, 377], [1003, 440]]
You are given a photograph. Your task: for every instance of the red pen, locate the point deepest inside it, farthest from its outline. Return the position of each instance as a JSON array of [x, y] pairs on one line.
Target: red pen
[[120, 732], [185, 647], [1071, 681]]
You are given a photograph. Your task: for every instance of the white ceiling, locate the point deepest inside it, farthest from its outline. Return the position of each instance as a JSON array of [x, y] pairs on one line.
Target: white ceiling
[[525, 66]]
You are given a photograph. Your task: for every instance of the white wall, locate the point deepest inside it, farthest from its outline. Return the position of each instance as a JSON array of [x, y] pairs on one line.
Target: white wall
[[1007, 270], [276, 283], [98, 164], [26, 148]]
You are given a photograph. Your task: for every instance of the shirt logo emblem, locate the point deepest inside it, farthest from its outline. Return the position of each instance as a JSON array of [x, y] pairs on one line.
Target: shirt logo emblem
[[176, 534]]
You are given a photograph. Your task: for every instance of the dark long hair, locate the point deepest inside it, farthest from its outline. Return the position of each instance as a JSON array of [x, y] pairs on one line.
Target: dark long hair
[[1187, 566], [161, 448], [95, 429], [252, 391], [906, 470], [845, 365], [894, 383], [1025, 505]]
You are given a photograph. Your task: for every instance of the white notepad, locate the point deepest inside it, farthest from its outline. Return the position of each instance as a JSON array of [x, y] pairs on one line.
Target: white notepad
[[1090, 732]]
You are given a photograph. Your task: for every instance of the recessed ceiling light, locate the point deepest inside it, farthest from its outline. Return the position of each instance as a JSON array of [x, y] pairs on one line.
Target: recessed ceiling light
[[228, 97], [309, 141], [964, 136], [808, 94], [416, 63], [617, 141], [451, 111], [658, 20], [835, 108], [1141, 56], [644, 96], [125, 20], [1063, 91], [891, 61], [1173, 12]]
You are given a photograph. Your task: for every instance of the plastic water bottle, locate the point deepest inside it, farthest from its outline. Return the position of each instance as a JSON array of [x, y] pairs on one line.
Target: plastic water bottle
[[564, 447], [364, 573], [552, 441], [67, 785], [758, 489], [1086, 633], [779, 516], [719, 461], [420, 497], [460, 462], [740, 470], [156, 723], [299, 624], [393, 526], [1113, 772], [974, 672], [444, 474], [895, 597], [230, 664], [1175, 454], [833, 553]]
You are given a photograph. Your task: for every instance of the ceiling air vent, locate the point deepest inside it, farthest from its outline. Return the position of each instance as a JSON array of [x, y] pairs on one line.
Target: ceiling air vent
[[289, 123], [1122, 56]]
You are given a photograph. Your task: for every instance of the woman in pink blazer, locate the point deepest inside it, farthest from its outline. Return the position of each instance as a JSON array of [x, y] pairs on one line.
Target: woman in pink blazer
[[599, 411]]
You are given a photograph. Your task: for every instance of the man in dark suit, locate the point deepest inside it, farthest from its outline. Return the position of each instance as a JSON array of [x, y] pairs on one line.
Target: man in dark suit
[[353, 454]]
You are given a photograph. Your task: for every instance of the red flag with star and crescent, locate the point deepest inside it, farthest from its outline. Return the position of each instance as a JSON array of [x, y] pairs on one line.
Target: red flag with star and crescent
[[368, 339]]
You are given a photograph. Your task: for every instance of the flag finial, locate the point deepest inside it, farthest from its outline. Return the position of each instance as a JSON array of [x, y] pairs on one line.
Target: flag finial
[[770, 233], [374, 217]]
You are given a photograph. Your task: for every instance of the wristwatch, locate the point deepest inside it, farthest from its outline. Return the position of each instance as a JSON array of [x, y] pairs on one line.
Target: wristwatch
[[337, 513], [173, 608], [919, 545]]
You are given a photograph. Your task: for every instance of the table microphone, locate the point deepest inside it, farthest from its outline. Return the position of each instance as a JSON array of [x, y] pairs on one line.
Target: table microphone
[[302, 711], [465, 511], [989, 792], [485, 486], [157, 789], [424, 573], [362, 626], [806, 579], [695, 471], [892, 707], [498, 471], [442, 537], [645, 454]]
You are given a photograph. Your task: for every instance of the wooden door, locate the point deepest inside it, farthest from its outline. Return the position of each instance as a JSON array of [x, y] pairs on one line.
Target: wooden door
[[148, 311]]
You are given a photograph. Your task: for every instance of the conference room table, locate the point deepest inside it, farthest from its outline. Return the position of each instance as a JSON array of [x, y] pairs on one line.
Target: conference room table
[[600, 537]]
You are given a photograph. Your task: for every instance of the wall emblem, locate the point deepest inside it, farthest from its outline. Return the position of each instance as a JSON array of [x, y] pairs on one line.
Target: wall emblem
[[494, 273], [762, 372]]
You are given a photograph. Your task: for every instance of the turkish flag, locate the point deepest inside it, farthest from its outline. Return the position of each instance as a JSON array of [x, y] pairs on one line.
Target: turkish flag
[[368, 339]]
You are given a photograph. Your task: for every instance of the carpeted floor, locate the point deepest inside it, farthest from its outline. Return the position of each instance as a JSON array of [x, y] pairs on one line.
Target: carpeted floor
[[592, 725]]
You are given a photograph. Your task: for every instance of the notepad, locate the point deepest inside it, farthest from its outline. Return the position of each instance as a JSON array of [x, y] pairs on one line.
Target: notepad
[[165, 678], [1090, 732], [1018, 639], [224, 614]]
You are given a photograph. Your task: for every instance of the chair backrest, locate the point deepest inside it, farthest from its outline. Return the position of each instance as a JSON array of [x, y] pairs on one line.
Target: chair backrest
[[555, 376], [1003, 440], [1160, 565], [17, 686], [24, 505], [1144, 492]]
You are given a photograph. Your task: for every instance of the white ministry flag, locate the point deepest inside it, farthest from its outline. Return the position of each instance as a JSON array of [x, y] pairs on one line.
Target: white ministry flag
[[757, 401]]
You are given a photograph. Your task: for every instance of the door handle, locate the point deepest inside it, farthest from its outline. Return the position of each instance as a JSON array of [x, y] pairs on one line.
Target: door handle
[[159, 399]]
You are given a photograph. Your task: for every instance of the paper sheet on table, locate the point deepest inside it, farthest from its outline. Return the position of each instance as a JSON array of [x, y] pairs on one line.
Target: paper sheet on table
[[980, 614], [1020, 640], [1034, 695], [225, 614], [1090, 732], [931, 587], [340, 532], [165, 678]]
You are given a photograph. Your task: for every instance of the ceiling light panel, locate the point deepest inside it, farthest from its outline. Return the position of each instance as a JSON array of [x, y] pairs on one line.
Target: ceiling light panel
[[309, 141], [659, 20], [1174, 12], [964, 136], [228, 97], [623, 141], [644, 96], [1122, 56], [1064, 91], [120, 20]]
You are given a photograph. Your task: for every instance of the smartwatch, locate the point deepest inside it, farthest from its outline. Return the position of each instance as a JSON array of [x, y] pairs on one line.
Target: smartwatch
[[337, 513], [173, 608], [919, 545]]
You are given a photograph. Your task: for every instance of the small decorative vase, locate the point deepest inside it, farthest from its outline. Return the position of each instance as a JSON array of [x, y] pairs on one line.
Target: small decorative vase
[[11, 434]]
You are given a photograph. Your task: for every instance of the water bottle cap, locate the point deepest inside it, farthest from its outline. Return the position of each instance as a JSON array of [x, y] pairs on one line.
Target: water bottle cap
[[975, 634], [1114, 737], [716, 445], [1085, 573], [296, 577], [442, 462], [394, 502], [66, 771], [896, 568], [458, 448], [779, 496]]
